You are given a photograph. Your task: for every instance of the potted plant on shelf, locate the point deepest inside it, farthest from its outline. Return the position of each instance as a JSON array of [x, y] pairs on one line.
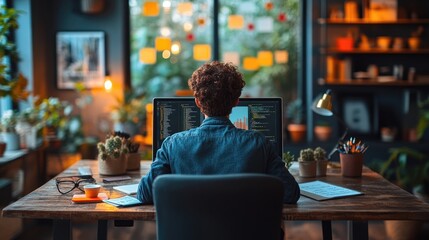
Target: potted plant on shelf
[[296, 127], [8, 123], [111, 156], [307, 164], [129, 113], [28, 127], [322, 131], [321, 160]]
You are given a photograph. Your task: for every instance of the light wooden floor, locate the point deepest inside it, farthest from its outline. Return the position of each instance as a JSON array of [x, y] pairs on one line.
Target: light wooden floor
[[296, 230]]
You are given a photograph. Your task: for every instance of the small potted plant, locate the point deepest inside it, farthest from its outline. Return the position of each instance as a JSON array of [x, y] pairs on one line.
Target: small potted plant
[[8, 123], [288, 158], [129, 113], [132, 155], [307, 163], [322, 131], [322, 161], [111, 156], [296, 127]]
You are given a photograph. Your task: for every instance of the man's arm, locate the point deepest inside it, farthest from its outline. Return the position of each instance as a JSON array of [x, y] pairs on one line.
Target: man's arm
[[159, 166], [277, 168]]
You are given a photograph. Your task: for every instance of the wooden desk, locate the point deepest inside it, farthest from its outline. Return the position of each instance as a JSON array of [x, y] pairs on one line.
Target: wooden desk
[[381, 201]]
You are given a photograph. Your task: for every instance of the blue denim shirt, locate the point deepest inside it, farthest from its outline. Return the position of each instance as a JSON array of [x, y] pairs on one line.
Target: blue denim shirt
[[217, 147]]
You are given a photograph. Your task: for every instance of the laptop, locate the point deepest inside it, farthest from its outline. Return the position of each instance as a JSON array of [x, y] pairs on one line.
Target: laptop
[[176, 114]]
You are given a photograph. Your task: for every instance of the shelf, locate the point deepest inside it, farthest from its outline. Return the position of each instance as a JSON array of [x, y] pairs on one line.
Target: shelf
[[365, 83], [374, 51], [368, 22]]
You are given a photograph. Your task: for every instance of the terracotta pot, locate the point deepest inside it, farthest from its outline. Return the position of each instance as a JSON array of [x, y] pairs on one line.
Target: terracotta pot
[[133, 161], [322, 166], [351, 164], [2, 148], [307, 168], [112, 166], [297, 132], [323, 133]]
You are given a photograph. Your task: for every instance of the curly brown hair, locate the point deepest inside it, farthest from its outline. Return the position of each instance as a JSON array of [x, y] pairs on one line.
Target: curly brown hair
[[217, 86]]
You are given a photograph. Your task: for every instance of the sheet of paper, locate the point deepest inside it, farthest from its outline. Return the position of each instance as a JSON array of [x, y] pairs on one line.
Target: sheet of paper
[[319, 190]]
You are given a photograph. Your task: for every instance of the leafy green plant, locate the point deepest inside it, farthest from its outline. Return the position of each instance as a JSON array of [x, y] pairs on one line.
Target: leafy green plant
[[408, 168], [131, 108], [423, 123], [306, 155], [295, 111], [11, 83], [288, 158]]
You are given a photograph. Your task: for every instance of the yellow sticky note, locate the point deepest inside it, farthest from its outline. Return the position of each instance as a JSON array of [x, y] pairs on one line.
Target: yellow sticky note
[[265, 58], [150, 9], [235, 22], [202, 52], [147, 55], [250, 63], [162, 43]]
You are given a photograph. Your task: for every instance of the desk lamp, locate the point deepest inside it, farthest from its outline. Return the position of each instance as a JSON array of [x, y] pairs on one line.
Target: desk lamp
[[323, 106]]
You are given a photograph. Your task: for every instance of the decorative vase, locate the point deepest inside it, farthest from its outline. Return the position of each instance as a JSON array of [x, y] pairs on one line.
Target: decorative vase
[[112, 166], [322, 166], [12, 140], [133, 161], [297, 132], [31, 140], [351, 164], [307, 168]]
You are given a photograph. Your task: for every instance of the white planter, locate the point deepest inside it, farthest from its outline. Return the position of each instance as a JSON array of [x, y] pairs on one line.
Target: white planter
[[12, 140], [31, 139]]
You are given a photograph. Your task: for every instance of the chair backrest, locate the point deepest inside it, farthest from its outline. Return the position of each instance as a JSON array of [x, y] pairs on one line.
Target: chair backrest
[[233, 206]]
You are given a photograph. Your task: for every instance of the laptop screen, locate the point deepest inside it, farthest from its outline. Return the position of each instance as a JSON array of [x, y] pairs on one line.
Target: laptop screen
[[176, 114]]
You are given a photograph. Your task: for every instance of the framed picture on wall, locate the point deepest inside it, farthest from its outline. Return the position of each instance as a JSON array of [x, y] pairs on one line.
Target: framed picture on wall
[[80, 59], [360, 113]]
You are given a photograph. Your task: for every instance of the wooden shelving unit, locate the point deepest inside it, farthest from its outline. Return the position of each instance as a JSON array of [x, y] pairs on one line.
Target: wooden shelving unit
[[367, 22], [374, 51]]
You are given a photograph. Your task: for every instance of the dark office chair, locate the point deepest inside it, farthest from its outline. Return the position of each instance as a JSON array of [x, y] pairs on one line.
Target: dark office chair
[[235, 206]]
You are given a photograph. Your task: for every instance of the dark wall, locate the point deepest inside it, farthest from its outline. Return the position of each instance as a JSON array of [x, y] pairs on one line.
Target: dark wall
[[52, 16]]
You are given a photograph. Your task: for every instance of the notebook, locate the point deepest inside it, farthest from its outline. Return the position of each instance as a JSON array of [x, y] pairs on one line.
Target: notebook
[[320, 191], [127, 189]]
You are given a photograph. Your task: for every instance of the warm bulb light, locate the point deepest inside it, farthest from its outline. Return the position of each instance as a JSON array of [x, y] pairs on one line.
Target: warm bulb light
[[187, 26], [165, 31], [166, 54], [108, 84], [175, 48]]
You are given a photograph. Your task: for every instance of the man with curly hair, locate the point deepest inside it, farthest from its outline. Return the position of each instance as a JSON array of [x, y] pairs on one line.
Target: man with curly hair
[[217, 146]]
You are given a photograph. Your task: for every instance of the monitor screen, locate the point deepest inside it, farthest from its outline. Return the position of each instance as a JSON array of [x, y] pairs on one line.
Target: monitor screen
[[172, 115]]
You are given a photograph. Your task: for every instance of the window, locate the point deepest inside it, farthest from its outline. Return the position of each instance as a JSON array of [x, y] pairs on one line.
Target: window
[[170, 39]]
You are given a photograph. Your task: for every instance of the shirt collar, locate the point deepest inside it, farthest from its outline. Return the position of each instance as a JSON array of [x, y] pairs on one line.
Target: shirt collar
[[217, 121]]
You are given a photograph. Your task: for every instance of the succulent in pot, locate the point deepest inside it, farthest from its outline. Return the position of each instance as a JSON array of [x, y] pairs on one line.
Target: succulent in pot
[[307, 163], [322, 161], [112, 156]]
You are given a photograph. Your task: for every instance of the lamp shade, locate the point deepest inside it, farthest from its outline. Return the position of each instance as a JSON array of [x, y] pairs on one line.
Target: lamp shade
[[323, 106]]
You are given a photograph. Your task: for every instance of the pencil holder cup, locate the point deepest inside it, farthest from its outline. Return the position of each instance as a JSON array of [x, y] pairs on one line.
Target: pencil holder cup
[[351, 164]]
